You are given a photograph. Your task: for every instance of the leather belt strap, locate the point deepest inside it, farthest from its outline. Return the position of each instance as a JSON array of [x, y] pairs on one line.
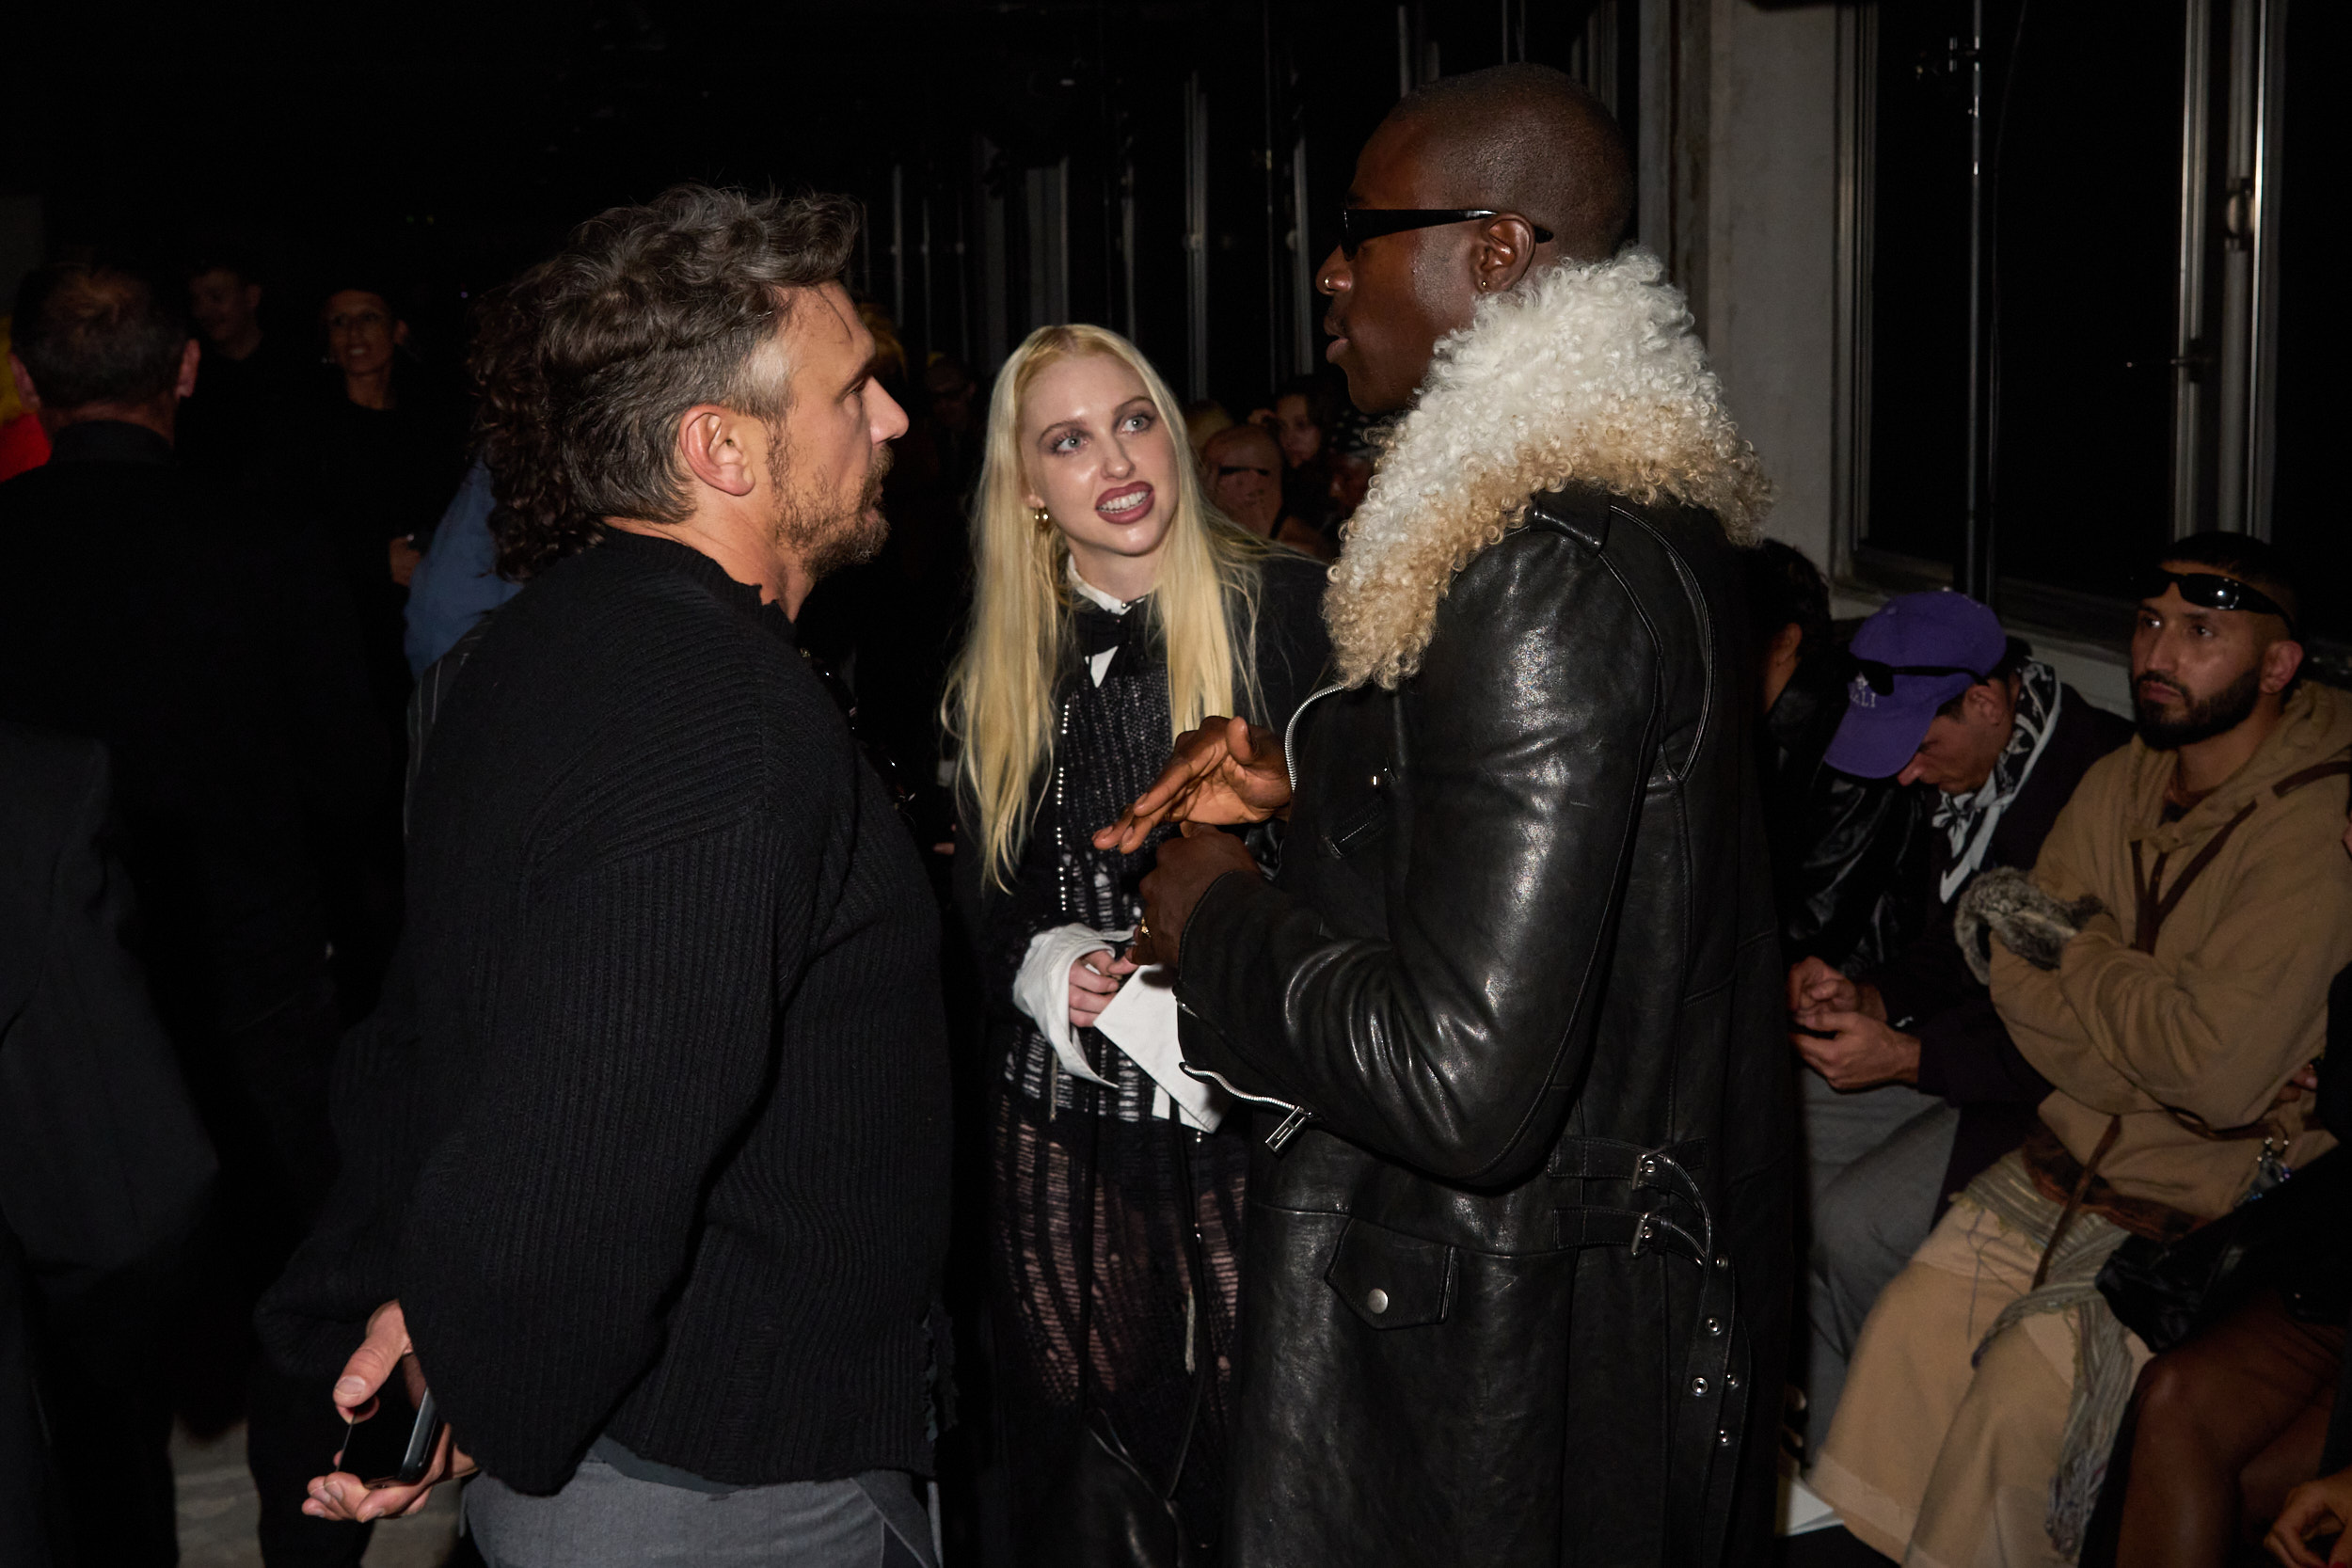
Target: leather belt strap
[[1711, 1399], [2154, 911]]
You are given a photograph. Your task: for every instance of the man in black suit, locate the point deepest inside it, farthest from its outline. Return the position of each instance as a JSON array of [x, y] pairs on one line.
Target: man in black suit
[[103, 1170], [138, 608]]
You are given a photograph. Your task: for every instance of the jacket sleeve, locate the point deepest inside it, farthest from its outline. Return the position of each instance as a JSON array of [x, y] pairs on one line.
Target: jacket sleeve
[[1966, 1056], [2215, 1036], [634, 1035], [103, 1165], [1454, 1043]]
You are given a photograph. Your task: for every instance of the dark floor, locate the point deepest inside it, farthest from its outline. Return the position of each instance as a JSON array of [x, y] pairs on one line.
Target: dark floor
[[218, 1512]]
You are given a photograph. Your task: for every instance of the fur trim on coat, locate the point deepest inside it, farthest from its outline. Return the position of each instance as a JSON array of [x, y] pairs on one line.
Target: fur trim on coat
[[1587, 374]]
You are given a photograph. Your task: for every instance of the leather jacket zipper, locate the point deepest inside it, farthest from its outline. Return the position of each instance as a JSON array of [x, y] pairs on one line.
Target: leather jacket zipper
[[1290, 731], [1295, 1117]]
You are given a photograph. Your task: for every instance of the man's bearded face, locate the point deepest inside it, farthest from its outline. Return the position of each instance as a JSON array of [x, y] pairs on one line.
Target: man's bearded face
[[2172, 715], [828, 532]]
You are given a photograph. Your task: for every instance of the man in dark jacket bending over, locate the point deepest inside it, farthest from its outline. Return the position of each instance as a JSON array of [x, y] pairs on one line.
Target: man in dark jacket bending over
[[1511, 1006], [1916, 1086], [676, 1199]]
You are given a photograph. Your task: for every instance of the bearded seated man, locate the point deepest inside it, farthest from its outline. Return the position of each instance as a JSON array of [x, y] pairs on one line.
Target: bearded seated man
[[2165, 967]]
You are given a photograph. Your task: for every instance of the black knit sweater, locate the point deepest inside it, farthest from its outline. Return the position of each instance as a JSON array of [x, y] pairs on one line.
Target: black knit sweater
[[681, 1128]]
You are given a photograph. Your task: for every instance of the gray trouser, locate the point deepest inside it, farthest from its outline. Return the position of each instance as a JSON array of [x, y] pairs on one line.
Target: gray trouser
[[605, 1519], [1878, 1159]]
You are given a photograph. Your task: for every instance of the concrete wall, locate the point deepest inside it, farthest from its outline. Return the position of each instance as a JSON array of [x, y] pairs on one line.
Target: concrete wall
[[1771, 248]]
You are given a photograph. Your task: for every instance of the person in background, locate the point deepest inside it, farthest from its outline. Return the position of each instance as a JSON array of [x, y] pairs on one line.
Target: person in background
[[2165, 967], [1205, 418], [1352, 459], [457, 581], [1113, 609], [1303, 418], [950, 399], [1915, 1085], [23, 444], [250, 382], [143, 608], [1245, 474], [388, 454], [383, 452], [103, 1171], [1849, 855]]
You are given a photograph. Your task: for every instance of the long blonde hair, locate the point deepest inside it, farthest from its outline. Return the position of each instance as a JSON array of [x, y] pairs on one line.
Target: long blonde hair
[[999, 704]]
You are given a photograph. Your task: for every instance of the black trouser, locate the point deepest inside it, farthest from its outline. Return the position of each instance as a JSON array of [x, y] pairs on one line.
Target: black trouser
[[262, 1086]]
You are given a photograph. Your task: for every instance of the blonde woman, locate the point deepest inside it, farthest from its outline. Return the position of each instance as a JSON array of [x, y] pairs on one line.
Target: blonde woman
[[1113, 608]]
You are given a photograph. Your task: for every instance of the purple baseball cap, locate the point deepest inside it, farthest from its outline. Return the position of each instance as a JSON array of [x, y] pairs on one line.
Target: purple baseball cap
[[1882, 730]]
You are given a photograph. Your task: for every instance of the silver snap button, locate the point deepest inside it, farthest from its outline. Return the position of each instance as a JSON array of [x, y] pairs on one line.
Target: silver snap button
[[1731, 1381], [1714, 1328], [1377, 1302], [1698, 1385], [1723, 1437]]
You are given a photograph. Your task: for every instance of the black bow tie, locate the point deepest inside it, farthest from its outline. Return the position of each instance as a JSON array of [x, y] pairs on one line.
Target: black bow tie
[[1100, 631]]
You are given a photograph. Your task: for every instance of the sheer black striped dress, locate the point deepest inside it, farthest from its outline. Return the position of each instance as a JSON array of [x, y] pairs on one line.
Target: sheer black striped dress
[[1095, 1189]]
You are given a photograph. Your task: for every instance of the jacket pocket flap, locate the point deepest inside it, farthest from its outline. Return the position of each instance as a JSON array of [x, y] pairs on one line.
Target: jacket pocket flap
[[1391, 1280]]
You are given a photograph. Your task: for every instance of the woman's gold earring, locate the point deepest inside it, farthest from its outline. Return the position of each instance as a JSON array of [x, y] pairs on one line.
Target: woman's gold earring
[[1043, 518]]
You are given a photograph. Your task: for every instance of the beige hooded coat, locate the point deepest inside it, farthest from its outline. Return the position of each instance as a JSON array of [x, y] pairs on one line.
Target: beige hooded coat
[[2188, 1040]]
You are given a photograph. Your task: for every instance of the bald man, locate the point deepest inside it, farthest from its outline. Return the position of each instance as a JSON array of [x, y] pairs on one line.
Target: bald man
[[1509, 1015], [1243, 465]]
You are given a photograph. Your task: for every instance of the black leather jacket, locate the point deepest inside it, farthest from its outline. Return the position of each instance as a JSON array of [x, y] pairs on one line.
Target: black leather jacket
[[1519, 975]]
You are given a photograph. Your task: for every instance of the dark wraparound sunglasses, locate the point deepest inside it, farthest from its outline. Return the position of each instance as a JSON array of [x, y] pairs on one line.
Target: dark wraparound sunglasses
[[1881, 676], [2212, 591], [1358, 224]]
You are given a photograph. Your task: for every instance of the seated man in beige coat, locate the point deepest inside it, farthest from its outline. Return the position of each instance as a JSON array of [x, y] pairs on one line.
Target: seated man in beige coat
[[2165, 967]]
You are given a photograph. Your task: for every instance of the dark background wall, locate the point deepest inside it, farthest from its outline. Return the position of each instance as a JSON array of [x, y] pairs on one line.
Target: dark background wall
[[1038, 151]]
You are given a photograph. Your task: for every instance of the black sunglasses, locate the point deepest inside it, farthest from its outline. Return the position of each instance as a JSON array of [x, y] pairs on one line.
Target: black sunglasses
[[1358, 224], [2212, 591], [1881, 676]]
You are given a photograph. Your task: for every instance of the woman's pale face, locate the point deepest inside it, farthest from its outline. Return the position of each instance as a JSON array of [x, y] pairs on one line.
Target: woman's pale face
[[361, 331], [1100, 462]]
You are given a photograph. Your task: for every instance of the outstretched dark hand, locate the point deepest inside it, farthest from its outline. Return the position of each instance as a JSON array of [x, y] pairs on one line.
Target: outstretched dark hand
[[1227, 771], [1182, 874]]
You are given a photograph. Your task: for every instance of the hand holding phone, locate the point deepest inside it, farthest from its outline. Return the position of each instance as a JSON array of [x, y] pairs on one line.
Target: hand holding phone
[[392, 1430], [396, 1444]]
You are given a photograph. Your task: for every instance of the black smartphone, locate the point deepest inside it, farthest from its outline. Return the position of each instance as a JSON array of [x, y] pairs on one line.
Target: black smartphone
[[394, 1446]]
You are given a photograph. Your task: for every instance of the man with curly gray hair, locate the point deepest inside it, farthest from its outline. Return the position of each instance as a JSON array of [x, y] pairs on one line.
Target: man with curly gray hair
[[671, 1206]]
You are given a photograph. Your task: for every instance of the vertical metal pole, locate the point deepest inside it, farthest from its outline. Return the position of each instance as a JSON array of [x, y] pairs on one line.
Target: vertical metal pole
[[1127, 243], [899, 245], [1196, 238], [2189, 351], [1974, 573], [1303, 260], [2262, 379], [930, 321], [1057, 275], [1265, 160], [963, 290]]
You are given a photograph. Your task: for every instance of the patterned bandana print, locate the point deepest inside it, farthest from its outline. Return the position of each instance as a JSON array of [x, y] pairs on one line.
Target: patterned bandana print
[[1967, 820]]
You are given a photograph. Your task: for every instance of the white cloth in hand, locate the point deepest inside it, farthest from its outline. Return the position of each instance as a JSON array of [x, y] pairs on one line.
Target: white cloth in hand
[[1042, 990], [1141, 1021]]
